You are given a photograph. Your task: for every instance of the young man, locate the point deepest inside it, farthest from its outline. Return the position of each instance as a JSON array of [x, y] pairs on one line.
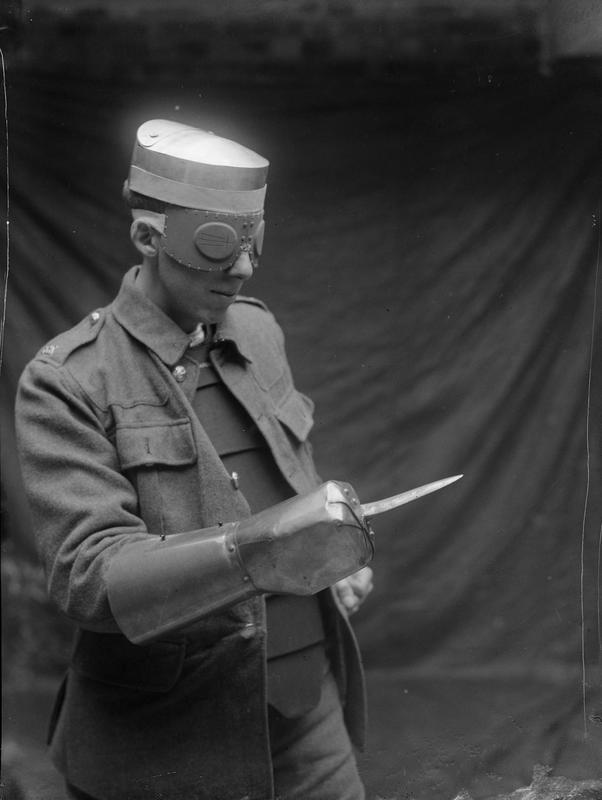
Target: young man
[[211, 661]]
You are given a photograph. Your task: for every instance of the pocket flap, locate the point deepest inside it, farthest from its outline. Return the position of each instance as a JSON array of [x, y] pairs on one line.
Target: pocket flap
[[110, 658], [296, 412], [171, 444]]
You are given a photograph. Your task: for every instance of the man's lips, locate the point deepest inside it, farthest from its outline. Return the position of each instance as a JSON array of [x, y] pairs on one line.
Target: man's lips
[[224, 292]]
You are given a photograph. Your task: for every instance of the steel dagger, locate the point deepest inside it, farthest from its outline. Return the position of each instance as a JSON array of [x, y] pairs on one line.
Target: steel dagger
[[380, 506]]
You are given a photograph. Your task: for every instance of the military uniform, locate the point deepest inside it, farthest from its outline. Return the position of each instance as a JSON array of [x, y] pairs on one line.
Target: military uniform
[[112, 452]]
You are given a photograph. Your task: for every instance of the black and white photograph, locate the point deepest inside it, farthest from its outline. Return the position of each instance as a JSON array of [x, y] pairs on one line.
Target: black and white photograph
[[301, 399]]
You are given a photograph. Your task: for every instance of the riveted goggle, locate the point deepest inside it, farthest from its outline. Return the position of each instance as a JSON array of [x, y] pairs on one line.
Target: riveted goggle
[[212, 240], [207, 240]]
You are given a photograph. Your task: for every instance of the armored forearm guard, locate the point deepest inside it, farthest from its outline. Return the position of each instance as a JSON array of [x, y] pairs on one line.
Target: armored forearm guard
[[299, 547]]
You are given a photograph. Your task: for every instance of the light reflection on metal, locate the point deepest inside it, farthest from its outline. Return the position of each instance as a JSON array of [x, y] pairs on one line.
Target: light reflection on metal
[[380, 506]]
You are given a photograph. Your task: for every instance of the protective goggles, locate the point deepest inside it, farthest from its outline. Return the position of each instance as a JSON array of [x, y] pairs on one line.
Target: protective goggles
[[208, 240]]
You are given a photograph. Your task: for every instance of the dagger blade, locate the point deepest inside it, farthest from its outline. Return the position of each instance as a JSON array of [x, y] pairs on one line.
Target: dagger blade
[[389, 503]]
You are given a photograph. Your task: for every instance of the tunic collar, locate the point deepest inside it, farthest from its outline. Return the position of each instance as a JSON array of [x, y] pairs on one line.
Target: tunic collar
[[147, 323]]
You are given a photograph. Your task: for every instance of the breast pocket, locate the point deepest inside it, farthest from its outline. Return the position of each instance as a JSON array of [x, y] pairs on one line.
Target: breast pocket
[[160, 460]]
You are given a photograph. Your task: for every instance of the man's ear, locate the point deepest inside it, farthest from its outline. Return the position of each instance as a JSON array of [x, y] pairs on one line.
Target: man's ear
[[144, 238]]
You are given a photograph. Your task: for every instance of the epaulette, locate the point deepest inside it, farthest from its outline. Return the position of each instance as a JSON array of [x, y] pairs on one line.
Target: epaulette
[[252, 301], [60, 348]]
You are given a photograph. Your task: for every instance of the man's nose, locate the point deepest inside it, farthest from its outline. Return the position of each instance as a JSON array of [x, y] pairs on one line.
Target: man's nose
[[242, 267]]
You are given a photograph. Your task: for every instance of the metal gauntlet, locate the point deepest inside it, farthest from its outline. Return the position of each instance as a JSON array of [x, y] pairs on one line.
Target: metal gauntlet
[[299, 547]]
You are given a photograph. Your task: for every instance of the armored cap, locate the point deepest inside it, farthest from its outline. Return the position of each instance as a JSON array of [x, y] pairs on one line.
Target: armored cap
[[189, 167]]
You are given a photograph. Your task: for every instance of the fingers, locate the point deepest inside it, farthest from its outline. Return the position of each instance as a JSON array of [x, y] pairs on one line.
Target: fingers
[[347, 596], [362, 582], [353, 590]]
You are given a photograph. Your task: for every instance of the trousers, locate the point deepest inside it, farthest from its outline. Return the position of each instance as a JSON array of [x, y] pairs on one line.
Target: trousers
[[312, 755]]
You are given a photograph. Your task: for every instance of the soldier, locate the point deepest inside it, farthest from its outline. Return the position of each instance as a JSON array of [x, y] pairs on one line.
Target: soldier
[[158, 439]]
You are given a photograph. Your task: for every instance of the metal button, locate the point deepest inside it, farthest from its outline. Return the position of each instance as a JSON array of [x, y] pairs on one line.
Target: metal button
[[179, 373], [94, 317], [248, 631], [234, 479]]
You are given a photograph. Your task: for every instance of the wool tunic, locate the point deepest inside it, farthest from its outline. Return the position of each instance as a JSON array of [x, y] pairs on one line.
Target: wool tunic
[[112, 452]]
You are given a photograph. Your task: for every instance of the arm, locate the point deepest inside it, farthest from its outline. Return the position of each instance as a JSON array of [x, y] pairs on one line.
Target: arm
[[104, 569], [299, 546], [84, 509]]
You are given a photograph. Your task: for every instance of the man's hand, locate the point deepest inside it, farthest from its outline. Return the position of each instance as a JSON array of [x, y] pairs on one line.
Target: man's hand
[[353, 590]]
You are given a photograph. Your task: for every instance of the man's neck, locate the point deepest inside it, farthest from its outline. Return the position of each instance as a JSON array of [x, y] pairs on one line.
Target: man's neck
[[147, 283]]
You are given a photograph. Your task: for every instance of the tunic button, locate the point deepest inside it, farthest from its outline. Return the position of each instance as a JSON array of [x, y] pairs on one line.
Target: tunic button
[[94, 317], [179, 373]]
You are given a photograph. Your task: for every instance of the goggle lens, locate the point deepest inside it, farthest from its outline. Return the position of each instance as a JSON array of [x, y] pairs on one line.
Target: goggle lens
[[219, 242], [215, 240]]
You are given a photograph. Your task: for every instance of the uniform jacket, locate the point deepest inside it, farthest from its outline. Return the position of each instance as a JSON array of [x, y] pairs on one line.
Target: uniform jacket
[[112, 452]]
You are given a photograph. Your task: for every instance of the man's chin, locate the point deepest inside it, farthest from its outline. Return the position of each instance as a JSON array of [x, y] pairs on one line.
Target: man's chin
[[214, 315]]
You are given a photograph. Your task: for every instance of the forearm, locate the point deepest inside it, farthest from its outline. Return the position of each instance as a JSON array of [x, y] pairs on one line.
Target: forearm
[[299, 546]]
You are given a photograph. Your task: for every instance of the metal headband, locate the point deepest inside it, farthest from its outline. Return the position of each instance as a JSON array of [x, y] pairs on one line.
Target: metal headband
[[188, 196], [196, 173]]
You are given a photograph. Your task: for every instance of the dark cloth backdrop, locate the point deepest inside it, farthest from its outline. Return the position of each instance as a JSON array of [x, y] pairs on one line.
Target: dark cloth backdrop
[[432, 257]]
